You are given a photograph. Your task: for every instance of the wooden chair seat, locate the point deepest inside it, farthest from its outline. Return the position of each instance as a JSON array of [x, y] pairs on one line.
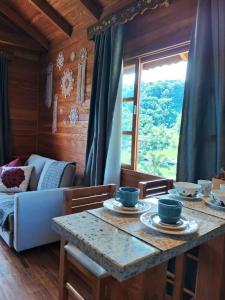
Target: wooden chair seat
[[80, 276], [75, 254]]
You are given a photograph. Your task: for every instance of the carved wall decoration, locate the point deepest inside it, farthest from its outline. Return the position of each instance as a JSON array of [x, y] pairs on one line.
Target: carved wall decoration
[[49, 86], [124, 15], [67, 81], [60, 60], [73, 116], [72, 56], [81, 77], [54, 119]]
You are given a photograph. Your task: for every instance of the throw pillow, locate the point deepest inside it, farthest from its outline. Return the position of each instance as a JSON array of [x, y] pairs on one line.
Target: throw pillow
[[14, 163], [15, 179]]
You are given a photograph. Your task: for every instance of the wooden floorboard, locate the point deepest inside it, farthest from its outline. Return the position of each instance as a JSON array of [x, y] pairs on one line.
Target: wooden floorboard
[[29, 275]]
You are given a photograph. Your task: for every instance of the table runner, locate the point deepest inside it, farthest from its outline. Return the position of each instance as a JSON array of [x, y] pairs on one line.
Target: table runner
[[132, 225]]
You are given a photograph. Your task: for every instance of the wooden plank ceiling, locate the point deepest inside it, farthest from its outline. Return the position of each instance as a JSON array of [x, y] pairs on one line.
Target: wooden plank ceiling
[[39, 24]]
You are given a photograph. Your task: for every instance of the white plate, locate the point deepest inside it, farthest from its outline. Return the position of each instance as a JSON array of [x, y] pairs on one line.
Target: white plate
[[209, 202], [142, 207], [174, 194], [181, 224], [191, 227], [119, 205]]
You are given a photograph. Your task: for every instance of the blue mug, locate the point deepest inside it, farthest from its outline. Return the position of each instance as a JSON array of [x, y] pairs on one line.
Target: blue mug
[[128, 196], [169, 210]]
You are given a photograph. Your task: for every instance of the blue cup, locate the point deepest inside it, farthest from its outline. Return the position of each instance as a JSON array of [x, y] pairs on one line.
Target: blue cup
[[128, 196], [169, 210]]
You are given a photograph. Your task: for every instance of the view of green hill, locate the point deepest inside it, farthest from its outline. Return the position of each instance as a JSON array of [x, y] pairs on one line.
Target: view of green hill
[[159, 126]]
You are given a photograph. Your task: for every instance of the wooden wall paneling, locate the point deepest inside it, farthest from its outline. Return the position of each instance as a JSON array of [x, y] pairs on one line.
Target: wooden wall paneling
[[69, 142], [154, 28], [160, 28], [23, 104], [53, 15], [19, 21]]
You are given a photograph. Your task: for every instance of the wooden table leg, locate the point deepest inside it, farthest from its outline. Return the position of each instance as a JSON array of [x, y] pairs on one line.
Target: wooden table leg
[[179, 277], [148, 285], [210, 283]]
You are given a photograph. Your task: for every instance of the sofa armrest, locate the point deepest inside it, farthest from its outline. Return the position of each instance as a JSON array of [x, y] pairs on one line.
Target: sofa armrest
[[33, 213]]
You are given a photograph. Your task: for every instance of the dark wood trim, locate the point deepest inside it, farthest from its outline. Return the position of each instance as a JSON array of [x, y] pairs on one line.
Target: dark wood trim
[[127, 133], [136, 115], [20, 41], [47, 10], [93, 7], [124, 15], [21, 23]]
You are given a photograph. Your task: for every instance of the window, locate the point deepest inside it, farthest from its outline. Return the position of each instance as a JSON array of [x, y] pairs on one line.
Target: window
[[151, 113]]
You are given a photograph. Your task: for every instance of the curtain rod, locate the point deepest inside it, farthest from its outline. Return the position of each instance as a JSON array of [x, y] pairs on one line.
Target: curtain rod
[[125, 15]]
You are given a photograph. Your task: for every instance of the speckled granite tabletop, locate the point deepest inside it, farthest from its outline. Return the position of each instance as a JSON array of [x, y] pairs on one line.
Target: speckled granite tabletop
[[123, 246]]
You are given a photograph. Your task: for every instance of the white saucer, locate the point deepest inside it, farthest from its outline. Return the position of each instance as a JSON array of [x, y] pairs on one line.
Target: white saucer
[[174, 194], [119, 205], [180, 225], [191, 227], [210, 203], [116, 206]]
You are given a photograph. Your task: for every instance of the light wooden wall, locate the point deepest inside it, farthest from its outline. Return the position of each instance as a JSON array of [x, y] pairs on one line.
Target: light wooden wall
[[23, 103]]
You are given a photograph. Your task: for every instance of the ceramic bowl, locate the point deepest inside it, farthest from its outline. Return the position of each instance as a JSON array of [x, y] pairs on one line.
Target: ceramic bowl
[[218, 196], [187, 189]]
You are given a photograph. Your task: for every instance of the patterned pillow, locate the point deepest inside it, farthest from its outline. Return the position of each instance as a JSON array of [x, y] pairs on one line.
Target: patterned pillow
[[14, 163], [15, 179]]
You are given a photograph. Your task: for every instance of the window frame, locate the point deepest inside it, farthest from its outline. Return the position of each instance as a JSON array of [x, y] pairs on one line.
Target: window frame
[[139, 62]]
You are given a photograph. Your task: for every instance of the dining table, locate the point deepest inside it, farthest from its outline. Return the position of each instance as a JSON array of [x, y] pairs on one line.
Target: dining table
[[137, 256]]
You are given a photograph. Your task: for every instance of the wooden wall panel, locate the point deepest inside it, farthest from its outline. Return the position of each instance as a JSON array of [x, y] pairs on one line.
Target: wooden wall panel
[[160, 28], [144, 33], [69, 142], [23, 104]]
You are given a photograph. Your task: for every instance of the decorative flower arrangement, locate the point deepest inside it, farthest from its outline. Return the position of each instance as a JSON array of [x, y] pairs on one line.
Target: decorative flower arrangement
[[13, 177], [60, 60], [67, 81]]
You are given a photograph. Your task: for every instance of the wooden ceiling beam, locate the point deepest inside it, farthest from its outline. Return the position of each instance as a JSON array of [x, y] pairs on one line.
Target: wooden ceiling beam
[[53, 16], [14, 17], [17, 40], [94, 7]]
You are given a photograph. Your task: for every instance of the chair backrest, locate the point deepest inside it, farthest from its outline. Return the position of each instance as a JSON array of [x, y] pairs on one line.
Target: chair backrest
[[80, 199], [154, 187]]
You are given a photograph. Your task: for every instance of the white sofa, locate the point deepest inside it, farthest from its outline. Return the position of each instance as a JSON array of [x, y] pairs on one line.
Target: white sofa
[[30, 225]]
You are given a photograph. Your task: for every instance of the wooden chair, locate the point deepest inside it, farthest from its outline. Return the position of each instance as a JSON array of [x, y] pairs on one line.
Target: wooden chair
[[80, 276], [154, 188]]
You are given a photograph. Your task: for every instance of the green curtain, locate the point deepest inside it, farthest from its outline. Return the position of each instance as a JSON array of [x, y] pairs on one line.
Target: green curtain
[[5, 147], [202, 139], [109, 46]]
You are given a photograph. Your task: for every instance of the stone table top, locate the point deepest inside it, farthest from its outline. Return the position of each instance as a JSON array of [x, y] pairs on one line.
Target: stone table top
[[118, 252], [123, 246]]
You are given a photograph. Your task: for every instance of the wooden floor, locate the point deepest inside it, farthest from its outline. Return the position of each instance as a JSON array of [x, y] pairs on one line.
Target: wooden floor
[[30, 275]]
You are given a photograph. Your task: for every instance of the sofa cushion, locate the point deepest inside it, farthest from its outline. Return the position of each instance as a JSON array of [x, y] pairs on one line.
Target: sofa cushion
[[47, 164], [64, 175], [38, 163], [68, 176]]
